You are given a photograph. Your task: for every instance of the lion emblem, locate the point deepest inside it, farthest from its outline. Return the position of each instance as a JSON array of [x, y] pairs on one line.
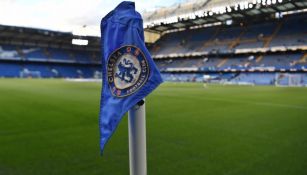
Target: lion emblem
[[126, 71]]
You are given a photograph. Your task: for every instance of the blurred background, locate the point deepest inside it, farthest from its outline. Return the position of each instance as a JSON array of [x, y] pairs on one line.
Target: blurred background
[[234, 99]]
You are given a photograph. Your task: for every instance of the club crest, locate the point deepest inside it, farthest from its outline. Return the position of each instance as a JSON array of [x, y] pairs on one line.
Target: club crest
[[127, 71]]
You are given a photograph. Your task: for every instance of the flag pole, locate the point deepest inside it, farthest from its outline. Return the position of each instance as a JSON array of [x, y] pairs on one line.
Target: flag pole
[[137, 139]]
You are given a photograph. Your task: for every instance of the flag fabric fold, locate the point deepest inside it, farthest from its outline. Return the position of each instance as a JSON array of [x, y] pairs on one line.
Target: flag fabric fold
[[128, 72]]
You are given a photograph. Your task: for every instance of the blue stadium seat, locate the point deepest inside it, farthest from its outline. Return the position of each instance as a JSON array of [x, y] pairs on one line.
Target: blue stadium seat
[[9, 69]]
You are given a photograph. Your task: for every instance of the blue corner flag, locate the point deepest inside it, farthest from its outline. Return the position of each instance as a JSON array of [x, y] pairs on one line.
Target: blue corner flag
[[129, 73]]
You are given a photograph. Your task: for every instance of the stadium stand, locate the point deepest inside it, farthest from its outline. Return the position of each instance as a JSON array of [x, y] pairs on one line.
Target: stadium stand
[[37, 53], [256, 41], [233, 37], [217, 41]]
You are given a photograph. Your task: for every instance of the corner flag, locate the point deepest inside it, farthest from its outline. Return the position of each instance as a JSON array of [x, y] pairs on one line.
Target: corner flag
[[129, 73]]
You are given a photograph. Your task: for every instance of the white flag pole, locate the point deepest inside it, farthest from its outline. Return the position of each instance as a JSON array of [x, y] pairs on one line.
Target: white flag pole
[[137, 139]]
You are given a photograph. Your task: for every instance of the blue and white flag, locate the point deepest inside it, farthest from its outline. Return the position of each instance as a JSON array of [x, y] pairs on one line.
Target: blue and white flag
[[129, 73]]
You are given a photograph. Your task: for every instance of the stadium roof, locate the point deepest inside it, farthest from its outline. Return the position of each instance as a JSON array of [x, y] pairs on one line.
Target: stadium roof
[[41, 37], [204, 12]]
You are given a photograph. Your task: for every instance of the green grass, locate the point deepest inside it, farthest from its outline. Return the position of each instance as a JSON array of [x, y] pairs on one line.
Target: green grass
[[51, 127]]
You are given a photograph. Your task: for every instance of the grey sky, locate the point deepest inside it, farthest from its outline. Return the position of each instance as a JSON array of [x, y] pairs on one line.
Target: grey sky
[[66, 15]]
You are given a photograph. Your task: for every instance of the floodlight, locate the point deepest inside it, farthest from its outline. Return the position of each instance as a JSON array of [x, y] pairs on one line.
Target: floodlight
[[81, 42]]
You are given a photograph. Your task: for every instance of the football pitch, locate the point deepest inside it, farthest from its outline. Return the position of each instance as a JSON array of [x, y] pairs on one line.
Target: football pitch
[[51, 127]]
